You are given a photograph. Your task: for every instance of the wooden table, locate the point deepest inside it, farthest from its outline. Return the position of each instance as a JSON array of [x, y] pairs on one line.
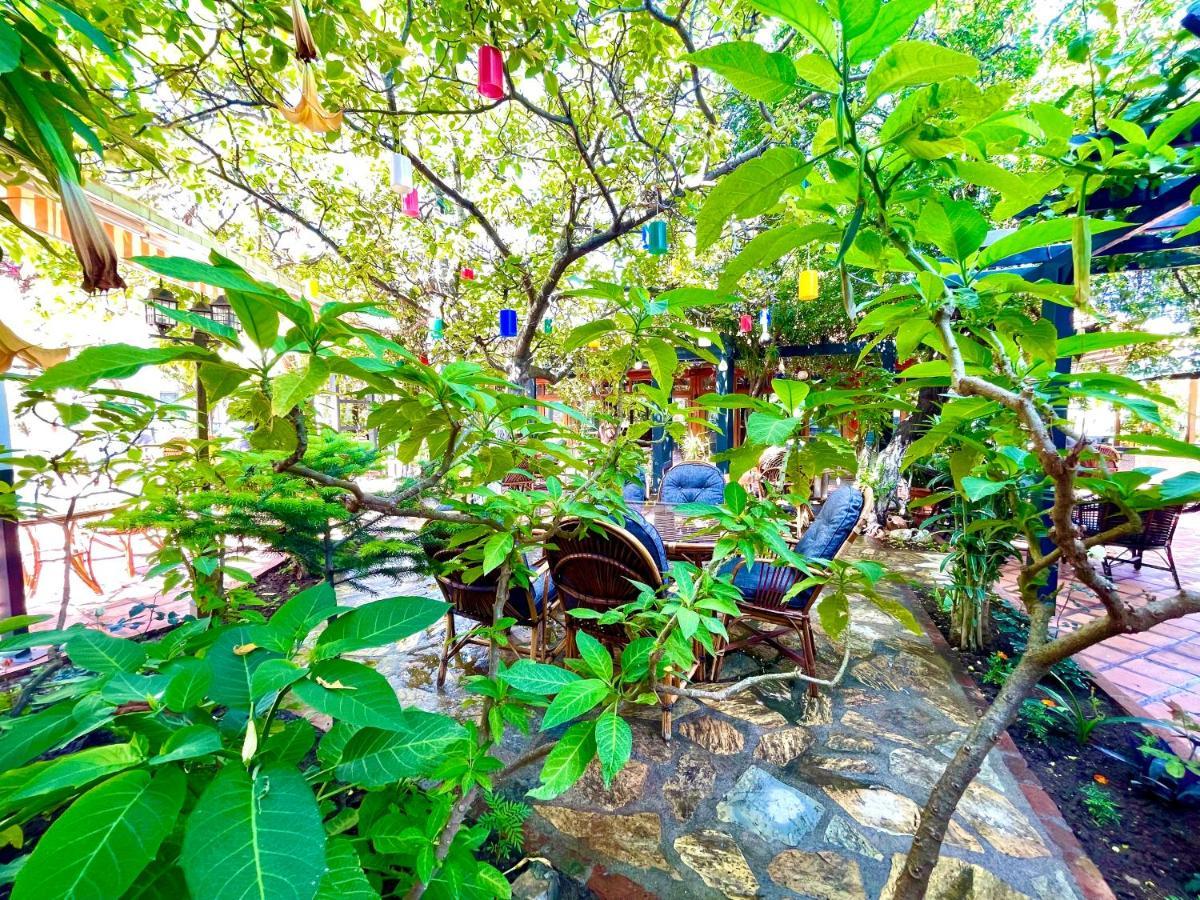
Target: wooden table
[[679, 533]]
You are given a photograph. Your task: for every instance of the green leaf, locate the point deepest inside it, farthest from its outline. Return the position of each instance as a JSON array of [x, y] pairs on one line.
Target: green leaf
[[198, 322], [856, 16], [189, 742], [29, 736], [614, 744], [378, 623], [573, 701], [764, 76], [103, 841], [663, 362], [111, 361], [911, 63], [808, 17], [233, 672], [586, 333], [978, 488], [1038, 234], [351, 692], [769, 247], [594, 655], [15, 623], [537, 678], [344, 878], [300, 615], [1078, 344], [375, 757], [257, 837], [770, 430], [230, 278], [684, 298], [893, 21], [221, 380], [102, 653], [954, 226], [190, 680], [77, 769], [274, 675], [10, 48], [1165, 446], [259, 319], [749, 190], [819, 72], [833, 611], [496, 550], [293, 388], [566, 763], [791, 394]]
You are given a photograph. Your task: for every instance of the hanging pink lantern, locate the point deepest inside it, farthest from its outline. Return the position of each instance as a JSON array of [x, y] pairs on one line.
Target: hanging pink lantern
[[491, 72], [468, 274], [412, 204], [745, 324]]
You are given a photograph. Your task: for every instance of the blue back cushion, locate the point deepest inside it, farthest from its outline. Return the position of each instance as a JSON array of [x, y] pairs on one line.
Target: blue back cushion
[[833, 524], [634, 492], [649, 537], [693, 483]]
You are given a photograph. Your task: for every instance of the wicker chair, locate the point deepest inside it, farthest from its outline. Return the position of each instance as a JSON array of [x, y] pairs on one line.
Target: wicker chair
[[1158, 531], [474, 601], [595, 569], [764, 583], [517, 481]]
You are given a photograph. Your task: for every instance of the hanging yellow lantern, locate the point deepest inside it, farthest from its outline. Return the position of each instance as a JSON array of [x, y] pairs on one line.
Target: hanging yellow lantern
[[808, 285]]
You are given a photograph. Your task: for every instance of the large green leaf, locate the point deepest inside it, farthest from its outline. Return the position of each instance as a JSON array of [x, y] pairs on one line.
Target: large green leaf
[[856, 16], [260, 320], [103, 653], [1090, 342], [808, 17], [257, 837], [1038, 234], [344, 878], [496, 550], [190, 680], [680, 299], [103, 841], [112, 361], [298, 616], [294, 388], [537, 678], [769, 429], [663, 362], [954, 226], [567, 761], [377, 623], [892, 22], [229, 278], [30, 736], [233, 658], [768, 77], [767, 248], [350, 692], [190, 742], [1159, 444], [749, 190], [595, 656], [76, 770], [574, 700], [375, 757], [10, 48], [916, 62], [614, 744]]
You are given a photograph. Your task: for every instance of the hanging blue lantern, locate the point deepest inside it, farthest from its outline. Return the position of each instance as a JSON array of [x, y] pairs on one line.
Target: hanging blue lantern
[[508, 323], [654, 237]]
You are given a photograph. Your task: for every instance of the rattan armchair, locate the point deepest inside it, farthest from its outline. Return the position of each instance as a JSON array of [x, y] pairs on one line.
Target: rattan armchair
[[1158, 531]]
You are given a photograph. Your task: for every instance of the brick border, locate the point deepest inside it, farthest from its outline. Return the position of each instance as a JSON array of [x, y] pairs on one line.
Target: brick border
[[1087, 876]]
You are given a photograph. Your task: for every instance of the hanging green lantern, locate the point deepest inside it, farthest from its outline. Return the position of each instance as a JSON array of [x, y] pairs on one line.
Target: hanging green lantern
[[654, 237], [547, 325], [438, 331]]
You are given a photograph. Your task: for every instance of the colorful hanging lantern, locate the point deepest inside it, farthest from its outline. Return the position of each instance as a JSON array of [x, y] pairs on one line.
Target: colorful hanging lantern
[[808, 285], [654, 237], [722, 366], [402, 174], [704, 342], [438, 331], [764, 321], [412, 204], [548, 325], [491, 72], [424, 358], [508, 323], [468, 274], [745, 323]]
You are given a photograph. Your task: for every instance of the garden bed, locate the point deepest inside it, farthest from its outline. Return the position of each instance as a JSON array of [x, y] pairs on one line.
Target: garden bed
[[1153, 852]]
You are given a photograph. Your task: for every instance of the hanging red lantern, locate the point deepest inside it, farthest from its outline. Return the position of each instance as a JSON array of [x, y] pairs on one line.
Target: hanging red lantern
[[491, 72], [745, 323], [412, 204], [424, 358], [468, 274]]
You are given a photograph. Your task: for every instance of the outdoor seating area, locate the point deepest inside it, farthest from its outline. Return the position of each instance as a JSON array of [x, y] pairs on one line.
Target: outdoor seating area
[[600, 451]]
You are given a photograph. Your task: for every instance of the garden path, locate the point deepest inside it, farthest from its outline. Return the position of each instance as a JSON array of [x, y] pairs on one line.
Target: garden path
[[772, 796], [1147, 670]]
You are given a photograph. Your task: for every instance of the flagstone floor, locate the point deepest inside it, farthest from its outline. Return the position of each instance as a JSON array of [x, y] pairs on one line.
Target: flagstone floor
[[769, 795]]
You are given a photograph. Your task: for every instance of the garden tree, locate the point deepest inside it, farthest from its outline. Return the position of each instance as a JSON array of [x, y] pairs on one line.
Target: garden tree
[[877, 171]]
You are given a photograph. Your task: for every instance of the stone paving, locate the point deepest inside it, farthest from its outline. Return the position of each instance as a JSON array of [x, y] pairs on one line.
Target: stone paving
[[771, 795]]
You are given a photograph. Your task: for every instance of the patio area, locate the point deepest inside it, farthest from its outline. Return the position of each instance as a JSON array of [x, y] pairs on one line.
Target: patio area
[[771, 794]]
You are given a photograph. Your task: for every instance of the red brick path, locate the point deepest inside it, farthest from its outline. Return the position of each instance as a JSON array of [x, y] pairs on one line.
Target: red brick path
[[1151, 668]]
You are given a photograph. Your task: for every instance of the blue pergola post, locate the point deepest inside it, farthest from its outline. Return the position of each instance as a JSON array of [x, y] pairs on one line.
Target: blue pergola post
[[661, 448], [1063, 318], [725, 385]]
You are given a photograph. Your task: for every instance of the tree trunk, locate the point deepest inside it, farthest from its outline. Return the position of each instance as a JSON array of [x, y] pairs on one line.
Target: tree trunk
[[957, 777]]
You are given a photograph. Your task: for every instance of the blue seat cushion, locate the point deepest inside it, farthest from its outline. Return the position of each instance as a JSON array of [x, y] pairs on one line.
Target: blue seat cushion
[[634, 492], [543, 593], [693, 483], [648, 536]]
